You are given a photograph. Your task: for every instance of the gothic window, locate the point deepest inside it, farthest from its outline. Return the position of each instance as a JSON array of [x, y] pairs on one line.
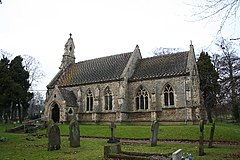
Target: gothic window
[[108, 99], [168, 96], [142, 99], [89, 105]]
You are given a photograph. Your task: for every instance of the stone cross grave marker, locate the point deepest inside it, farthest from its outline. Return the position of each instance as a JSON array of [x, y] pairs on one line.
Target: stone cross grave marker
[[74, 133], [54, 140], [201, 138], [154, 133], [113, 138]]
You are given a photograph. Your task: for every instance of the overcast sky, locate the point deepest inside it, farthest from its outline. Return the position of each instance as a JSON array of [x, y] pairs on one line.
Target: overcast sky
[[40, 28]]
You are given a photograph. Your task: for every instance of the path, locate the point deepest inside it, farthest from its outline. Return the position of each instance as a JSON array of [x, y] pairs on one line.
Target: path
[[145, 141]]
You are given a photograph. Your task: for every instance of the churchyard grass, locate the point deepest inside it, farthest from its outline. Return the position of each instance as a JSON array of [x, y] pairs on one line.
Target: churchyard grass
[[216, 153], [223, 132], [18, 148]]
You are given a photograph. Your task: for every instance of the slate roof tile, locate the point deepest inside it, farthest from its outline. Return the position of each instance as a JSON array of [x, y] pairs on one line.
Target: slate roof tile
[[110, 68], [92, 71], [161, 66]]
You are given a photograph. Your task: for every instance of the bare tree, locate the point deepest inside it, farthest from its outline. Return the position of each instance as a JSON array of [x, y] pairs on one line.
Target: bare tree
[[36, 105], [222, 10], [4, 53], [229, 72], [33, 66]]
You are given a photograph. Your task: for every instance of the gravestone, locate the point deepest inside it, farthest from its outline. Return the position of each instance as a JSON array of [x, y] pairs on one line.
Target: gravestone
[[49, 125], [113, 138], [54, 140], [201, 138], [74, 133], [211, 135], [3, 139], [154, 133], [116, 149], [177, 155]]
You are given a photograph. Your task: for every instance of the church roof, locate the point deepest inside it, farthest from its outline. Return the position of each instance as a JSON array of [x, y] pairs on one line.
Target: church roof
[[92, 71], [110, 68], [69, 97], [174, 64]]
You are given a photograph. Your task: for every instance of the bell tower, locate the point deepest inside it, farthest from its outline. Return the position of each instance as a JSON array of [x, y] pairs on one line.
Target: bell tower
[[68, 56]]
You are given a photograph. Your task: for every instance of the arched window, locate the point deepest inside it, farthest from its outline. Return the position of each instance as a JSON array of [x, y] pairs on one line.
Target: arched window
[[108, 99], [142, 99], [168, 96], [70, 111], [89, 105]]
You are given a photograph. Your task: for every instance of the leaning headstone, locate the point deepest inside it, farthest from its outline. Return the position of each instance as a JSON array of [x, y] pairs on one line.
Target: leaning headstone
[[112, 149], [154, 133], [177, 155], [29, 139], [74, 133], [54, 140], [3, 139], [211, 135], [49, 125], [113, 138], [201, 138]]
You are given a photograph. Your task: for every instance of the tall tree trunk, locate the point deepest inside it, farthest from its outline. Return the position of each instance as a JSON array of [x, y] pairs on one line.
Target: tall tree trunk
[[19, 111], [11, 111], [234, 103], [208, 110], [233, 93], [1, 115], [209, 114]]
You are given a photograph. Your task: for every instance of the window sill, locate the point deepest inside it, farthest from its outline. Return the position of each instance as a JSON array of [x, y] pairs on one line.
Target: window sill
[[142, 110], [169, 106], [88, 111]]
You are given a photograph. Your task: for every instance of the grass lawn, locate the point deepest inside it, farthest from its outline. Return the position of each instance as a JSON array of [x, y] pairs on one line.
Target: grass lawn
[[223, 132], [18, 148]]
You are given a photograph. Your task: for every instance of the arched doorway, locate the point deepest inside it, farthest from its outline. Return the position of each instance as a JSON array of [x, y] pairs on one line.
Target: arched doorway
[[55, 113]]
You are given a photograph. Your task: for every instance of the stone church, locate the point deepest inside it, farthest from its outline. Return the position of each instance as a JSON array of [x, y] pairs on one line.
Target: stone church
[[125, 88]]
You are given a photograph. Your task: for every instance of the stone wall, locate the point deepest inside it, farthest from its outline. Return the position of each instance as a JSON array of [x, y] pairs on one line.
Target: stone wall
[[155, 89], [172, 114], [139, 116], [124, 107], [98, 96]]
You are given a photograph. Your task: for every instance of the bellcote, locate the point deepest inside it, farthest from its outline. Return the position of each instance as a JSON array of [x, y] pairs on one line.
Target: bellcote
[[68, 56]]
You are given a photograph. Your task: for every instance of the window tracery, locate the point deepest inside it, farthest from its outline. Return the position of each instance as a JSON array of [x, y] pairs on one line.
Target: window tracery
[[108, 99], [142, 99], [168, 95], [89, 103]]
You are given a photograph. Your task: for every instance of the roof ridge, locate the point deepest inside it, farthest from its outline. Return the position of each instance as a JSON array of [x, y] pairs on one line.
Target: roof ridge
[[166, 55], [105, 57]]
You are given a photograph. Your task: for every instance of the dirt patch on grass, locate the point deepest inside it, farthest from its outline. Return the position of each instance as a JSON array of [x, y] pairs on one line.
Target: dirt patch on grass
[[71, 152], [233, 156], [36, 145]]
